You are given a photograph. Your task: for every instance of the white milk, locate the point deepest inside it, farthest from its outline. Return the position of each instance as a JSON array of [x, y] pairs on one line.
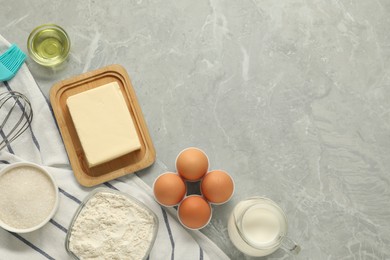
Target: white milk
[[258, 228], [261, 227]]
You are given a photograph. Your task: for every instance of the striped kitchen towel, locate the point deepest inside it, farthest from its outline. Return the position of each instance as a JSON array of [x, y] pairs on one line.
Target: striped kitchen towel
[[42, 144]]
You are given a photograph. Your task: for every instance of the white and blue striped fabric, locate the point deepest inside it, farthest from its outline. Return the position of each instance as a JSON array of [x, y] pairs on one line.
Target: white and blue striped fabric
[[42, 144]]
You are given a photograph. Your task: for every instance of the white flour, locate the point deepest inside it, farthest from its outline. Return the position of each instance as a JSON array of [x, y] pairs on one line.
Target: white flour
[[27, 197], [111, 226]]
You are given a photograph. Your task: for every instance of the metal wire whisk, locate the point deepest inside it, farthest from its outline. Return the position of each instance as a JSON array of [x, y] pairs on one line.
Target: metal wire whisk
[[15, 116]]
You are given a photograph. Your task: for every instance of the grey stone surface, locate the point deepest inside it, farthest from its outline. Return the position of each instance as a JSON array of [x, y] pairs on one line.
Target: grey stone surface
[[290, 97]]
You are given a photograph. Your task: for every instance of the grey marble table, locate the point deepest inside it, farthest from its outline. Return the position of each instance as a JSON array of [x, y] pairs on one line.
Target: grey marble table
[[290, 97]]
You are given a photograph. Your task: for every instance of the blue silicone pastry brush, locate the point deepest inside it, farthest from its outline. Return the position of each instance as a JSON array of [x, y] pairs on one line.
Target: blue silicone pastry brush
[[10, 62]]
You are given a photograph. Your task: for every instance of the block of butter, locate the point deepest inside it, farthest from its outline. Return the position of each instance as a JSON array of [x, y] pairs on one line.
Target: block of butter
[[103, 123]]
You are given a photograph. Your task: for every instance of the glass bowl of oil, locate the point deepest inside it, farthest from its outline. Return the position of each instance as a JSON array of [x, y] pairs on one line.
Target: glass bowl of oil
[[48, 45]]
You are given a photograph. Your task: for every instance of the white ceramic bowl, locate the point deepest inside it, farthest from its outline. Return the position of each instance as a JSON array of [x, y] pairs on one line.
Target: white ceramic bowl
[[53, 211]]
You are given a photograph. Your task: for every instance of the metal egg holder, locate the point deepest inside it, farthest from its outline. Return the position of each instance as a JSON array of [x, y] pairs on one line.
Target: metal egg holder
[[199, 197]]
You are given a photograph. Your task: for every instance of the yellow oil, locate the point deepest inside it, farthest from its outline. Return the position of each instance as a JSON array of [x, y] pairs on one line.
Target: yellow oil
[[50, 46]]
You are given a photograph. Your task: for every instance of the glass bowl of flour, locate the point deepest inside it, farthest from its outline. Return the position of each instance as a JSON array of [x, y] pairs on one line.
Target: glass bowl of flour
[[28, 197], [110, 224]]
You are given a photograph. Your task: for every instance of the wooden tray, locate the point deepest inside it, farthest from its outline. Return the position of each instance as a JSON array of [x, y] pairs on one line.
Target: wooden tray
[[121, 166]]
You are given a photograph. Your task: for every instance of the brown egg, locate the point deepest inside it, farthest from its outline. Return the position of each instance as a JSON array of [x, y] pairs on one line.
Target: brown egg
[[169, 189], [194, 212], [217, 186], [192, 164]]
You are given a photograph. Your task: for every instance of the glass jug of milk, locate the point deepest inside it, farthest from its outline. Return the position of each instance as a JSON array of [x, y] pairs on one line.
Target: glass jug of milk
[[258, 227]]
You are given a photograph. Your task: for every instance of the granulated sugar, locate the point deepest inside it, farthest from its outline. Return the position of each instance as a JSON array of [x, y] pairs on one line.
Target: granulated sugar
[[111, 226], [27, 197]]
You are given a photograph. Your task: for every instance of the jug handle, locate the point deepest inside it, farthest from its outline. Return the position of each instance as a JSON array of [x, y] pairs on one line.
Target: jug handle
[[290, 246]]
